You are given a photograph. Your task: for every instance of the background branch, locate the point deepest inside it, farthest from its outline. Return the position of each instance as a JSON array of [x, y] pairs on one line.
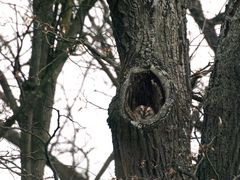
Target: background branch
[[105, 166], [8, 93], [65, 172], [206, 25]]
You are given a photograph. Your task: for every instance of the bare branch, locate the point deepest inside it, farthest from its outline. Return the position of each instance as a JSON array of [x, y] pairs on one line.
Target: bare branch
[[105, 166], [74, 30], [8, 93], [6, 45], [206, 25], [65, 172], [95, 105], [95, 52], [47, 143], [98, 57]]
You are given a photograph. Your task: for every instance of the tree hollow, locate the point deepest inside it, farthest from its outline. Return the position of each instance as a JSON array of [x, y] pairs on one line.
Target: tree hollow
[[146, 95]]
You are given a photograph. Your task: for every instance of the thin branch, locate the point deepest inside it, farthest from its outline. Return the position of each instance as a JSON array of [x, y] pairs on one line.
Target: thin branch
[[4, 162], [6, 45], [65, 172], [204, 148], [98, 57], [211, 164], [195, 50], [8, 93], [206, 25], [47, 143], [84, 78], [96, 105], [105, 166]]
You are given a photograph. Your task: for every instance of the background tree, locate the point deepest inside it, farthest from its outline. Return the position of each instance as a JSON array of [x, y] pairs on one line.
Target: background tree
[[220, 131], [151, 116], [56, 32]]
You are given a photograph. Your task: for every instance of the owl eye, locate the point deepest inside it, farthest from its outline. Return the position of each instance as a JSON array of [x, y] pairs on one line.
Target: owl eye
[[149, 112]]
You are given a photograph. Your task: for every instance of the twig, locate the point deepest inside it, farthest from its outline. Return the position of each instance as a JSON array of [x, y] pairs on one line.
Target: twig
[[63, 170], [98, 56], [205, 149], [96, 105], [47, 143], [211, 164], [104, 167]]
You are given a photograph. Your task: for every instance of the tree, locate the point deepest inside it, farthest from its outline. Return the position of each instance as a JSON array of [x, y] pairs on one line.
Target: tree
[[220, 130], [153, 50], [151, 117], [56, 30]]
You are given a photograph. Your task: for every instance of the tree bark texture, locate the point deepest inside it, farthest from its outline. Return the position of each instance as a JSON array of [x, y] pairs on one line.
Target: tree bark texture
[[153, 50], [35, 114], [220, 147]]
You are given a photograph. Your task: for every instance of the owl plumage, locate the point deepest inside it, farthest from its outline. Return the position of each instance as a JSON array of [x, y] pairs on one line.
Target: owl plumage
[[142, 112]]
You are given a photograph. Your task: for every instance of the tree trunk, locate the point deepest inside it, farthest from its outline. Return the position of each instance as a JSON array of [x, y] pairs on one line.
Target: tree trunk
[[149, 116], [35, 113], [52, 22], [220, 147]]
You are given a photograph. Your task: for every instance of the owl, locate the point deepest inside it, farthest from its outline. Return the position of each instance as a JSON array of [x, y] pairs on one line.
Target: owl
[[142, 112]]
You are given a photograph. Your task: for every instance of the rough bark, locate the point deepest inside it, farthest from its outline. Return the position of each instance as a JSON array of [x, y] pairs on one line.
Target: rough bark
[[220, 158], [153, 49]]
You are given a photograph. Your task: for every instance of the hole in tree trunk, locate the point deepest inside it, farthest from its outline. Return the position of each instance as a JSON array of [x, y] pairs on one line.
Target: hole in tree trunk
[[144, 95]]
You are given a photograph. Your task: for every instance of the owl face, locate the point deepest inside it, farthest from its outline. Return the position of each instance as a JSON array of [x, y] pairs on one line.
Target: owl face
[[143, 112]]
